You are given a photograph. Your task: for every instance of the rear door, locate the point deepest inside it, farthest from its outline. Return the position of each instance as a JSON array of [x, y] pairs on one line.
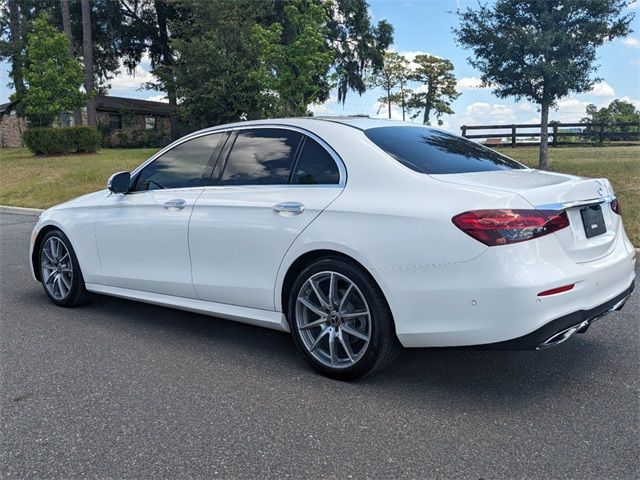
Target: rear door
[[269, 184]]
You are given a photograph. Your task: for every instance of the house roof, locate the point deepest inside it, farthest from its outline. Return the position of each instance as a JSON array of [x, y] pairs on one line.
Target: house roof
[[117, 104]]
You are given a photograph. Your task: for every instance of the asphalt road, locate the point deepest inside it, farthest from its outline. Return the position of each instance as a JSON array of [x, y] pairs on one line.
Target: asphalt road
[[119, 389]]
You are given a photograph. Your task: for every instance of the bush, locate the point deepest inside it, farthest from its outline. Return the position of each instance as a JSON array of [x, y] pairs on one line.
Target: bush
[[46, 140]]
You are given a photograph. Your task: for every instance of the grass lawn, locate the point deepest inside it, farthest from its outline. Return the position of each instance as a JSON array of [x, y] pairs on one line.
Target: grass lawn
[[40, 182]]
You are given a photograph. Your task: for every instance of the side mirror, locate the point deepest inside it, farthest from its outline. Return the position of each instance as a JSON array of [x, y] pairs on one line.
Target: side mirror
[[119, 182]]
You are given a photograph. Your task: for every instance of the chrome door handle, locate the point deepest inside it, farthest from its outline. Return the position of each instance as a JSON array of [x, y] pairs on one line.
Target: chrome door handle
[[288, 208], [176, 204]]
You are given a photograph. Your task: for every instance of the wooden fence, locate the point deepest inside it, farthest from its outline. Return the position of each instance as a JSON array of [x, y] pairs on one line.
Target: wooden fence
[[558, 133]]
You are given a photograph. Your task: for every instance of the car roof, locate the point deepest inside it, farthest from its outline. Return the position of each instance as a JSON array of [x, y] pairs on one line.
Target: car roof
[[360, 123]]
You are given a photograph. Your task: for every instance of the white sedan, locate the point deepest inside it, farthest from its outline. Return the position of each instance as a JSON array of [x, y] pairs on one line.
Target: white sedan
[[358, 236]]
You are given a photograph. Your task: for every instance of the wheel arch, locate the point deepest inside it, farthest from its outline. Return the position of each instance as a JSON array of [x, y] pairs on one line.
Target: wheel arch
[[37, 243], [305, 259]]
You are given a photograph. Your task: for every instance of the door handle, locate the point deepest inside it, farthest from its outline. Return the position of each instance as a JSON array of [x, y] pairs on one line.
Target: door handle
[[175, 204], [288, 209]]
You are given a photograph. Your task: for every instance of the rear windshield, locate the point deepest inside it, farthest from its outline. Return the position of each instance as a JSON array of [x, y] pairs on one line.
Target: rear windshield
[[434, 152]]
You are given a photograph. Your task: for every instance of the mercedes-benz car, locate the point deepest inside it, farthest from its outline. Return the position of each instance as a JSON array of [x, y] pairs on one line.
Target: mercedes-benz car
[[358, 236]]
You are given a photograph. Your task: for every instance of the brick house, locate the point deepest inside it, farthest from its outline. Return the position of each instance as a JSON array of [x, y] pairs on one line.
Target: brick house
[[125, 122]]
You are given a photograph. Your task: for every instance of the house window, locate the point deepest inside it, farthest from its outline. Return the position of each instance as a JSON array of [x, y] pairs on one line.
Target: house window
[[149, 123], [66, 119], [115, 121]]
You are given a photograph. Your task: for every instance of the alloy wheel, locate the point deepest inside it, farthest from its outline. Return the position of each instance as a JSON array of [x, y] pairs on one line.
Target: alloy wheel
[[56, 267], [333, 319]]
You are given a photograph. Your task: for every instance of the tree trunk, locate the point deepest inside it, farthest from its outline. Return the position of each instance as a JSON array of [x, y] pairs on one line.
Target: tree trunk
[[66, 25], [87, 51], [16, 49], [389, 101], [429, 101], [544, 136], [168, 62], [402, 100]]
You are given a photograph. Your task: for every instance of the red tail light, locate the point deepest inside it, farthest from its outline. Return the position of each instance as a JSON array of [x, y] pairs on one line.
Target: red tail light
[[615, 206], [502, 227]]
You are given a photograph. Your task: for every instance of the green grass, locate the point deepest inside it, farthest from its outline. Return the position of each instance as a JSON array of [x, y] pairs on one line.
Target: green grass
[[40, 182]]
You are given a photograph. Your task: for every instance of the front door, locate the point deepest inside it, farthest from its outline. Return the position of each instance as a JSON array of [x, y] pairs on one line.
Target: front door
[[142, 236]]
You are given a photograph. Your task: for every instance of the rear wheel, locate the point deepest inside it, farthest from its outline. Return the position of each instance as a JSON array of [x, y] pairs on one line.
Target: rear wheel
[[60, 272], [340, 320]]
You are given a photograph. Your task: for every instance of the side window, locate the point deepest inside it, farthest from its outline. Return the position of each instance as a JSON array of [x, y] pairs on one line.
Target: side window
[[261, 157], [180, 167], [315, 166]]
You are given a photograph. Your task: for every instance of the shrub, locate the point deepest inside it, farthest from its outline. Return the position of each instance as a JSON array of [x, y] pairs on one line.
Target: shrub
[[46, 140]]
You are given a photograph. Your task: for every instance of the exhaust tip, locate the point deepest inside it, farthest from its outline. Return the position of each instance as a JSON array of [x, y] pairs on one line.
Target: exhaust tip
[[562, 336]]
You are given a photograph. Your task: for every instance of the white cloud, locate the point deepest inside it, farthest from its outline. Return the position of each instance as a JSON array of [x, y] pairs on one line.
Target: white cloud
[[631, 42], [381, 110], [469, 83], [125, 81], [326, 108], [602, 89], [158, 98]]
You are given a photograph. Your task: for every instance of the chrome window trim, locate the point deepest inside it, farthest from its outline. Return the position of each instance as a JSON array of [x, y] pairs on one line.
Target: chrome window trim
[[578, 203], [336, 158]]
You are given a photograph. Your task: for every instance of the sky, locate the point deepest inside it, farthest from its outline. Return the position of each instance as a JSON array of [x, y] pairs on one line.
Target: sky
[[424, 26]]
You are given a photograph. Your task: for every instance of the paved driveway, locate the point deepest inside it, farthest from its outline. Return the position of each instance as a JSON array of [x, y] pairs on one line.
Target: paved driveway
[[125, 390]]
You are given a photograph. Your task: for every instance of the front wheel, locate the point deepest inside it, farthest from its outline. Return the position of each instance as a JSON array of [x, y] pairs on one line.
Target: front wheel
[[340, 320], [60, 272]]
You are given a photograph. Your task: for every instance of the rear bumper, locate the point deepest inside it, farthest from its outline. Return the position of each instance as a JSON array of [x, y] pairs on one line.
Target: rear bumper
[[561, 329], [493, 299]]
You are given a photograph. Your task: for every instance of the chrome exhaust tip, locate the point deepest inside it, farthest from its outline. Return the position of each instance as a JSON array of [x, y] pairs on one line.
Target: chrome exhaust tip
[[562, 336]]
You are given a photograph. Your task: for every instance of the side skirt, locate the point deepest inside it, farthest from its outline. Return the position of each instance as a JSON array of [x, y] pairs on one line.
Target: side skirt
[[252, 316]]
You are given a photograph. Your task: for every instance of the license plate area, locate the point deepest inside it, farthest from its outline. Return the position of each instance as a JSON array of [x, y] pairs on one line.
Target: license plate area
[[593, 221]]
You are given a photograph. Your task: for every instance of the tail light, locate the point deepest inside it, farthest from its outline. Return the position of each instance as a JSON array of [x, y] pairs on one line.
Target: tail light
[[615, 206], [502, 227]]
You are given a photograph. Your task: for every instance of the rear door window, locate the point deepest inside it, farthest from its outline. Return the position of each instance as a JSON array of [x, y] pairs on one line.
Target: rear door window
[[315, 166], [261, 156], [435, 152]]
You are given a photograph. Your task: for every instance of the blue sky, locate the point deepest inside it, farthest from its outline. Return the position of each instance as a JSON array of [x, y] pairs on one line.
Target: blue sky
[[424, 26]]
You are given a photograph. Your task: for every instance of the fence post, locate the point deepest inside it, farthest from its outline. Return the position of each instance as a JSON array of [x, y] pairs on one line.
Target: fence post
[[513, 135], [601, 133], [464, 130], [555, 134]]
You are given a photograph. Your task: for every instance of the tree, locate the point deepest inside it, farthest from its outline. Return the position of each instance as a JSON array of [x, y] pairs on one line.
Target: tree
[[358, 45], [438, 89], [611, 116], [53, 77], [540, 50], [215, 47], [394, 74], [87, 52], [294, 71], [16, 49], [66, 26]]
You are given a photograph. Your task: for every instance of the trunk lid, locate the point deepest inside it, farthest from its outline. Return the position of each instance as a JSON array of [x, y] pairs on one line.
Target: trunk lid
[[557, 191]]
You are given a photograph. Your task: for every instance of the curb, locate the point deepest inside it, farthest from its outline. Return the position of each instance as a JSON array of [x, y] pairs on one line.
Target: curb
[[32, 212]]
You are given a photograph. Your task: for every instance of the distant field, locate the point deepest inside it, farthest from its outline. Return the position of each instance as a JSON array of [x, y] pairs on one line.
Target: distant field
[[40, 182]]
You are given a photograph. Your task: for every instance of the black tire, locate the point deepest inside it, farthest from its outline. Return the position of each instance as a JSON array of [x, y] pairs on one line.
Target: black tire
[[77, 294], [383, 345]]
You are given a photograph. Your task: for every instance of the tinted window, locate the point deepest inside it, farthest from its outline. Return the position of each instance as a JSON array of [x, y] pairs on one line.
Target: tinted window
[[181, 166], [315, 165], [432, 151], [261, 157]]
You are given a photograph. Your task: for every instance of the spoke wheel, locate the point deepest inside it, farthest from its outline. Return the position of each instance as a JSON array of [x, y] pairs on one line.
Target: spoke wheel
[[56, 268], [333, 319]]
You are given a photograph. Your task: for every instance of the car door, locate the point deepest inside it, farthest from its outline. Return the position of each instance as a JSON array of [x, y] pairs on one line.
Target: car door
[[142, 236], [269, 184]]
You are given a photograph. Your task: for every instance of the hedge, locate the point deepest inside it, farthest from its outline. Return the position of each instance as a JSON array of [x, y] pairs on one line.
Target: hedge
[[46, 140]]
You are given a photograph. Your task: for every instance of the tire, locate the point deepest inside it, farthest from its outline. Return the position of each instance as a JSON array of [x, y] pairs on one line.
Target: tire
[[60, 271], [363, 342]]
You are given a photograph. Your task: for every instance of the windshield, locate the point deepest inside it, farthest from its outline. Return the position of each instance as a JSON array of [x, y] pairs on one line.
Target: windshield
[[435, 152]]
